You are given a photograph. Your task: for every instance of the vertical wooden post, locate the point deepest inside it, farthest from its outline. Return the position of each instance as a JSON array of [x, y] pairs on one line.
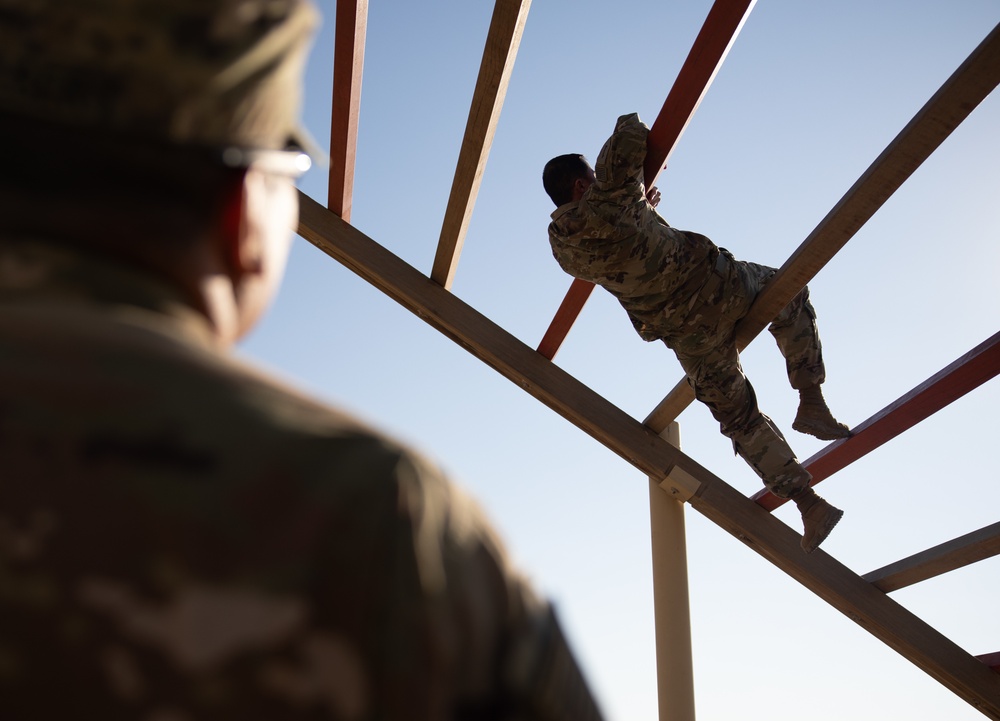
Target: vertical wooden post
[[671, 606]]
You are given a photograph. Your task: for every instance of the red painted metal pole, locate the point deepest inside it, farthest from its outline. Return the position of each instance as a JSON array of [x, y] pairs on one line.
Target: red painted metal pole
[[348, 64], [948, 385], [717, 35]]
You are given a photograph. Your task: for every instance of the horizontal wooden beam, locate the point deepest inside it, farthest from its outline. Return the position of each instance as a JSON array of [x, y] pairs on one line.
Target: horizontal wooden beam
[[502, 43], [946, 386], [710, 48], [348, 65], [975, 79], [958, 552], [653, 456]]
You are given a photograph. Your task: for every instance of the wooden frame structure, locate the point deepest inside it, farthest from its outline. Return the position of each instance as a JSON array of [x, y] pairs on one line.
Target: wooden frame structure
[[864, 599]]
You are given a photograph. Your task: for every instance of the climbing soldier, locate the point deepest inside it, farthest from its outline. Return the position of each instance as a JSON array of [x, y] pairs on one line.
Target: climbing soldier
[[679, 287]]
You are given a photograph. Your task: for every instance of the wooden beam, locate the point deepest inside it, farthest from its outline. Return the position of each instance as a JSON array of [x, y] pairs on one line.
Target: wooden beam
[[958, 552], [958, 97], [653, 456], [487, 341], [348, 64], [502, 43], [710, 48], [946, 386]]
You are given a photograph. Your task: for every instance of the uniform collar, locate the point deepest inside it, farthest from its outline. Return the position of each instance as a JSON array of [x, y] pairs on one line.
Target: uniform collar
[[564, 208], [57, 277]]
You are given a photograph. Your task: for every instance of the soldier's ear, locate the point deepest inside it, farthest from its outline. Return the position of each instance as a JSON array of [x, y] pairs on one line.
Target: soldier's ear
[[239, 243]]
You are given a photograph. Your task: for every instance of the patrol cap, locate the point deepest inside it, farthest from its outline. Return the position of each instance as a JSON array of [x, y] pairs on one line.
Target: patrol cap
[[215, 73]]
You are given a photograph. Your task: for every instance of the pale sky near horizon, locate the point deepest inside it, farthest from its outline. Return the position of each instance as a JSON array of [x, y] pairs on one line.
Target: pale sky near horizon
[[809, 96]]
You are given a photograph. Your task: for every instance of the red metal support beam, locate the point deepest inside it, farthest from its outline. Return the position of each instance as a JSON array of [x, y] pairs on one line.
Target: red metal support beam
[[348, 63], [710, 48], [569, 310], [948, 385], [992, 660]]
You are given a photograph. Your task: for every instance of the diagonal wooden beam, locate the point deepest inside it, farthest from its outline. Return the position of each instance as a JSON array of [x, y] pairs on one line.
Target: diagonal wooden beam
[[946, 386], [487, 341], [876, 612], [502, 43], [710, 48], [970, 548], [974, 80], [348, 63]]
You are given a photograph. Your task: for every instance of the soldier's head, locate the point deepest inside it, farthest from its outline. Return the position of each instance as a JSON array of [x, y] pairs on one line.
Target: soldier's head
[[566, 177], [164, 133]]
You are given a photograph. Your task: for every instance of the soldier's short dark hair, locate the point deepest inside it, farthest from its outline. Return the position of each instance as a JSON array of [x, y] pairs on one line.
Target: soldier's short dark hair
[[559, 175]]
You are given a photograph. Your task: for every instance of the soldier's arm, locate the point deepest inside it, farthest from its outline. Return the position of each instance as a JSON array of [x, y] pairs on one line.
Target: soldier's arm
[[619, 165]]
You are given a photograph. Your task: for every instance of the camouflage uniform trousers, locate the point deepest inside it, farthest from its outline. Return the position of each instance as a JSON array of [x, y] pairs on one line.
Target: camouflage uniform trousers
[[712, 364]]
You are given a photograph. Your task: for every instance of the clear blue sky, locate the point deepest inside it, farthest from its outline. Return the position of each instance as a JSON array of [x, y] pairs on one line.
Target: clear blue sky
[[809, 96]]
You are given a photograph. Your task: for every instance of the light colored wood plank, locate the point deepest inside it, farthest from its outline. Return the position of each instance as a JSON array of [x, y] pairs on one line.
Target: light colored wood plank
[[653, 456], [946, 386], [710, 48], [958, 552], [502, 42], [487, 341], [348, 65]]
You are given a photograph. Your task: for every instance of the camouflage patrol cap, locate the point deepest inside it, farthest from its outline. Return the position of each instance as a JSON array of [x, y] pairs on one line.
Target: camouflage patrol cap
[[192, 72]]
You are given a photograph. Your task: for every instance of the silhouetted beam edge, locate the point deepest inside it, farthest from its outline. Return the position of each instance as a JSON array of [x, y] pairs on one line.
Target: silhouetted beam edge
[[502, 43], [946, 386], [348, 66], [968, 86], [939, 657], [710, 48]]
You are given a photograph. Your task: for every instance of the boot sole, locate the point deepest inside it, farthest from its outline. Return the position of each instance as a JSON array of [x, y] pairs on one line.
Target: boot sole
[[824, 433], [831, 522]]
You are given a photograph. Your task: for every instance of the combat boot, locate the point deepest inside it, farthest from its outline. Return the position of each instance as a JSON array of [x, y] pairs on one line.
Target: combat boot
[[818, 518], [815, 418]]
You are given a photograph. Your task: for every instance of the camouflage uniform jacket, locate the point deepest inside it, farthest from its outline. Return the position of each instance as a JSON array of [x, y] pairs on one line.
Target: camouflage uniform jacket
[[184, 539], [614, 238]]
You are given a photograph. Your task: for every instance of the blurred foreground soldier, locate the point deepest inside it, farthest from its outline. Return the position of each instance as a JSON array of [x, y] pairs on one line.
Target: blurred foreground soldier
[[679, 287], [181, 537]]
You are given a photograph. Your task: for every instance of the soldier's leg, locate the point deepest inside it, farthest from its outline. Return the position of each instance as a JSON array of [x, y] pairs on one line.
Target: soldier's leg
[[794, 329], [797, 335], [719, 382]]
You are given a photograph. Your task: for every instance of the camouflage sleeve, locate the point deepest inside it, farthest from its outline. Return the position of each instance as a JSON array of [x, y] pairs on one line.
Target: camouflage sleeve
[[619, 164]]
